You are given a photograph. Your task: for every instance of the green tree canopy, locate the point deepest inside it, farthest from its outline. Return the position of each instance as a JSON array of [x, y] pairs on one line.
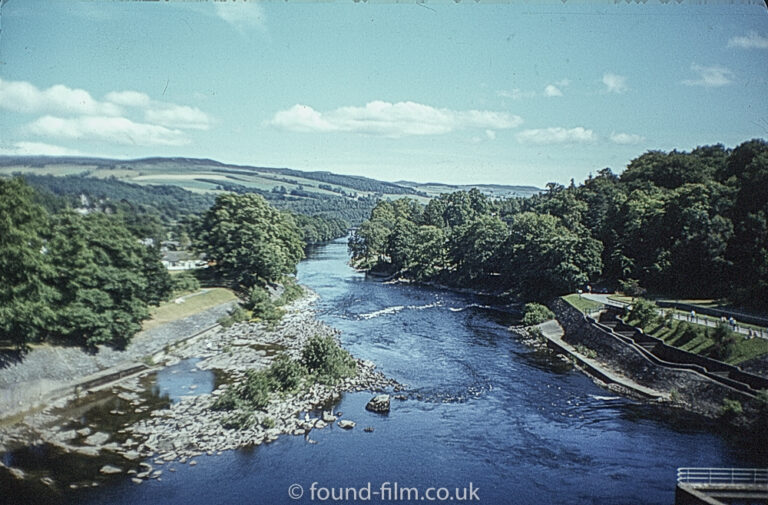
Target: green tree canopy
[[248, 242]]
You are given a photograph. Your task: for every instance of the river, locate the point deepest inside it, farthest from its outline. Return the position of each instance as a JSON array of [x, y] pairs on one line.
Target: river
[[481, 409]]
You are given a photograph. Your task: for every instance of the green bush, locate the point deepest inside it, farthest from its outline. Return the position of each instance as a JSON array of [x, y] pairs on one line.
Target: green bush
[[328, 361], [536, 313], [256, 388], [291, 291], [184, 282], [286, 373], [643, 313], [230, 400], [236, 315], [268, 423], [731, 408], [725, 342], [262, 307]]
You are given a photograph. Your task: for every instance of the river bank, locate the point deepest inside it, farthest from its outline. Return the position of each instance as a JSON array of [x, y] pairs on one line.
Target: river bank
[[137, 429]]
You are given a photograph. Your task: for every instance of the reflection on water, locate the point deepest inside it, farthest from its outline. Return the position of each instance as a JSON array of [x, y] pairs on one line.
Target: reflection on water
[[183, 379]]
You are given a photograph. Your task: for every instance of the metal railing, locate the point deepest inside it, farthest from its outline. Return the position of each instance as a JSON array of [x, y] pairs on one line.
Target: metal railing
[[722, 475]]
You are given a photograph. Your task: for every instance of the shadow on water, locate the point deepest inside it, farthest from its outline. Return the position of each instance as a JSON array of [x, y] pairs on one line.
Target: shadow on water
[[52, 473]]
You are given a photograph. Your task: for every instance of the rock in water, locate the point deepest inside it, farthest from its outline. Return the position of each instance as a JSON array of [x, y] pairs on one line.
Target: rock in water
[[109, 469], [328, 417], [378, 403], [346, 424]]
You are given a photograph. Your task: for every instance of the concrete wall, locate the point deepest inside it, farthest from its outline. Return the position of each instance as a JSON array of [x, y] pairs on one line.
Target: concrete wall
[[694, 391]]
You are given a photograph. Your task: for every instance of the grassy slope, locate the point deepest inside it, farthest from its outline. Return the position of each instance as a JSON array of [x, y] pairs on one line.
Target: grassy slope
[[193, 303]]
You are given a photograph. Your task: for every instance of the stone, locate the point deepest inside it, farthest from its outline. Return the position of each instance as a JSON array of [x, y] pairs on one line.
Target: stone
[[346, 424], [109, 470], [368, 429], [97, 438], [328, 417], [379, 403], [131, 455], [136, 480], [84, 432], [192, 463]]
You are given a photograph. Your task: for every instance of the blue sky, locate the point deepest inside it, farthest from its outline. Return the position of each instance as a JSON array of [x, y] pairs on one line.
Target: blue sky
[[468, 92]]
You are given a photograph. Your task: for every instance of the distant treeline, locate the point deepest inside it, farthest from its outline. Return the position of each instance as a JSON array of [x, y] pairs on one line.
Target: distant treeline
[[171, 203], [682, 224]]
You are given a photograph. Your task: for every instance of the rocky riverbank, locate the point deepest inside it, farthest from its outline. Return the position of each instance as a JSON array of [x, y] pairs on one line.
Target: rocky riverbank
[[144, 431]]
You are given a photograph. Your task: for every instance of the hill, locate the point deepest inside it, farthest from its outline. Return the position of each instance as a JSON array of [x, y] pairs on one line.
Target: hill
[[158, 180]]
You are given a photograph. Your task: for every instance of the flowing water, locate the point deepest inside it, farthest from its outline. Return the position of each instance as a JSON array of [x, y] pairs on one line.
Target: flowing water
[[480, 409]]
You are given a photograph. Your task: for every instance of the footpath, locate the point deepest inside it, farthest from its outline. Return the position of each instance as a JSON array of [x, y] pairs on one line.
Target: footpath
[[553, 332]]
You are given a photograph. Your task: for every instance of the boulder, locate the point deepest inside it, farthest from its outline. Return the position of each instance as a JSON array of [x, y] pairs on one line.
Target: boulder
[[346, 424], [328, 417], [379, 403], [109, 470], [97, 438]]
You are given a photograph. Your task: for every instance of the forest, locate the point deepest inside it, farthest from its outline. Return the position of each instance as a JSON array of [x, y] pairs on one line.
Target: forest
[[682, 224], [87, 276]]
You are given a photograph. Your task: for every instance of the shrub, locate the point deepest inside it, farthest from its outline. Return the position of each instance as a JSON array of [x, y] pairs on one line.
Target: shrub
[[725, 342], [291, 291], [643, 312], [256, 388], [631, 287], [227, 401], [262, 307], [324, 357], [731, 408], [286, 373], [236, 315], [184, 283], [268, 423], [536, 313]]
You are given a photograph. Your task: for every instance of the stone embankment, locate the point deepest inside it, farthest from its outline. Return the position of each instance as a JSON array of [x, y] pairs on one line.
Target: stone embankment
[[686, 388]]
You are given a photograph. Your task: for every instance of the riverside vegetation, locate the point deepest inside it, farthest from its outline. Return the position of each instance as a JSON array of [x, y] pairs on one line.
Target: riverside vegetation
[[689, 225]]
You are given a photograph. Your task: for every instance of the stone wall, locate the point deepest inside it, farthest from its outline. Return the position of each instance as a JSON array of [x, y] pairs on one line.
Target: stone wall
[[692, 390]]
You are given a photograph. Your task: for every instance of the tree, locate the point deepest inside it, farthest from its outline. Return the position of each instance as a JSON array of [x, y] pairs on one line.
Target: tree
[[101, 278], [25, 297], [249, 242], [545, 259]]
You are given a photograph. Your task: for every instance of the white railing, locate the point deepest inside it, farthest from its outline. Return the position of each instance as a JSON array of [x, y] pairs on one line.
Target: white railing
[[722, 475]]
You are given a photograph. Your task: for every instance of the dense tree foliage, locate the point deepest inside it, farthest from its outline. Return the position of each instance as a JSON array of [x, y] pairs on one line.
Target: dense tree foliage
[[248, 242], [81, 279], [681, 224]]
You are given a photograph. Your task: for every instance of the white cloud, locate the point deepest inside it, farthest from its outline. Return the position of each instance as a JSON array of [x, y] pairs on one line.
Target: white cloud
[[626, 138], [391, 119], [128, 98], [21, 96], [552, 90], [242, 14], [749, 41], [38, 149], [490, 134], [516, 94], [710, 77], [178, 116], [556, 135], [614, 83], [116, 130]]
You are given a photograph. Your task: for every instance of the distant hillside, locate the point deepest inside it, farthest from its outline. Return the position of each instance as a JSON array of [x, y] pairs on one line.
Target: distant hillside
[[156, 182], [493, 190]]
